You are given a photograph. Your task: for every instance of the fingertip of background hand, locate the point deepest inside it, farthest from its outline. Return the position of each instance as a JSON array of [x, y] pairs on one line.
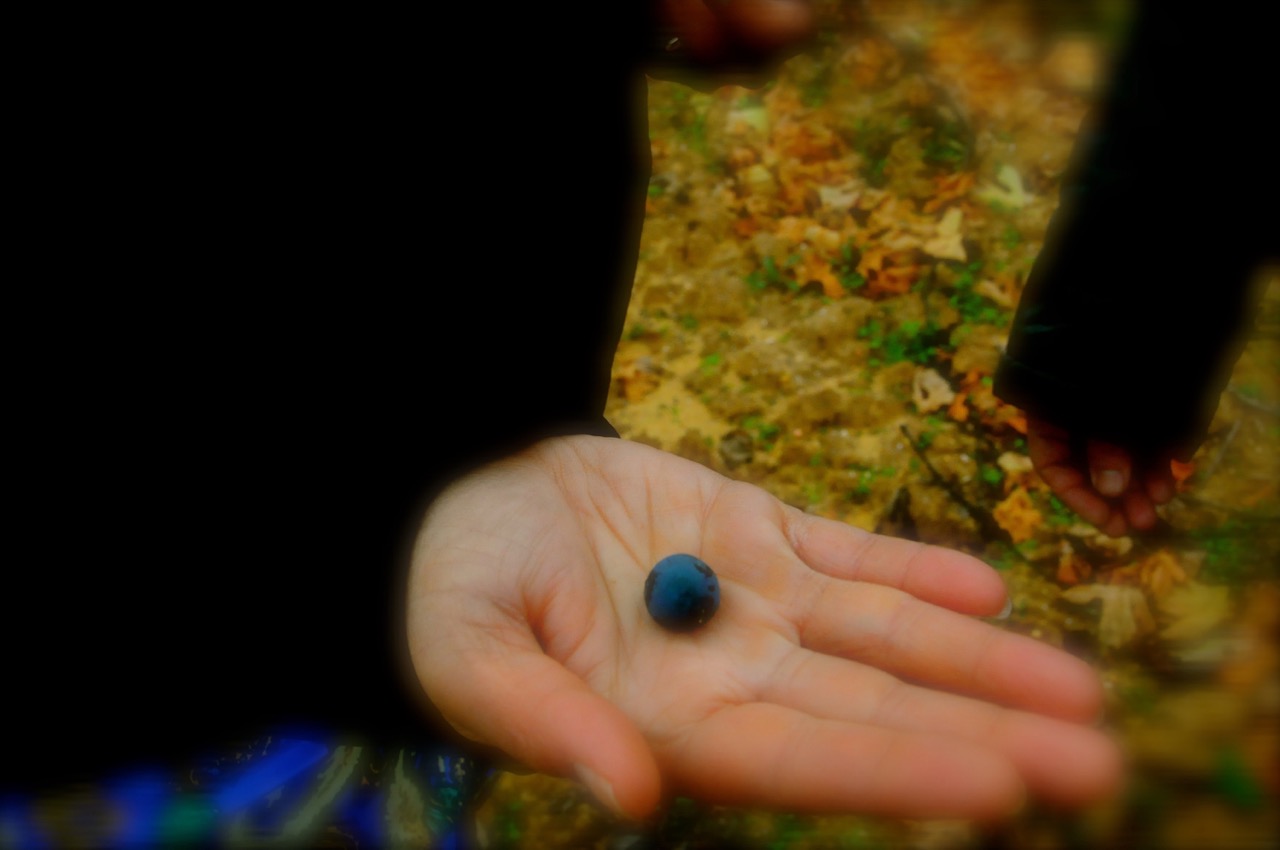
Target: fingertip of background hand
[[1160, 487], [1139, 511], [1085, 502], [1115, 525], [1108, 482]]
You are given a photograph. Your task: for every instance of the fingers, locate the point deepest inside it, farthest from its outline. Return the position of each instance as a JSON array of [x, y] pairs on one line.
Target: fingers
[[1159, 482], [697, 26], [890, 630], [508, 694], [762, 754], [766, 26], [1139, 510], [1114, 495], [711, 31], [1062, 763], [1111, 471], [1050, 451], [940, 576]]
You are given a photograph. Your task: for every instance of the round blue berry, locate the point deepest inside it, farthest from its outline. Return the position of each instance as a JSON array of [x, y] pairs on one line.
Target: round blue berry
[[681, 593]]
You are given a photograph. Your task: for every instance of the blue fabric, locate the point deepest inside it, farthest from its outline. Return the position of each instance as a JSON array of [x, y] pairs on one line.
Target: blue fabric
[[281, 789]]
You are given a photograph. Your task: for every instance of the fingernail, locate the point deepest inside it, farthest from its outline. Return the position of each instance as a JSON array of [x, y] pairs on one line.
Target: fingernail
[[1109, 482], [1006, 610], [599, 788]]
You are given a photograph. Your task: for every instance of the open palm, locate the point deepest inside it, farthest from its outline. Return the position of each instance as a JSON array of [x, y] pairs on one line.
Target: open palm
[[842, 672]]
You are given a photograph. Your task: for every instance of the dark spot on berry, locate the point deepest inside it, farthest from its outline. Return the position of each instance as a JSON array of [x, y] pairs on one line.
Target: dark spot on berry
[[681, 593]]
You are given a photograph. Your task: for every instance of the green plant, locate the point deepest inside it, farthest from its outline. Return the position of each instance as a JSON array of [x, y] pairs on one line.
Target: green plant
[[846, 268], [912, 340], [765, 432], [867, 476], [1238, 551], [1058, 513], [944, 146], [771, 275], [971, 306]]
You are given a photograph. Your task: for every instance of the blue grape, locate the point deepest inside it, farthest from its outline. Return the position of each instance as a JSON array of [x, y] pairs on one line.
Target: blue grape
[[681, 593]]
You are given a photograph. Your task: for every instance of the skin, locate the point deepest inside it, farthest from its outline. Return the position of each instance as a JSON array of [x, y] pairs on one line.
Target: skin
[[730, 41], [844, 671], [1104, 483], [719, 31]]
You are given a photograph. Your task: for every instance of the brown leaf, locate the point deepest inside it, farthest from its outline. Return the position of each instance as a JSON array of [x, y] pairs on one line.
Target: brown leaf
[[1072, 569], [1125, 614], [894, 280], [949, 188], [948, 241], [814, 267], [930, 391], [1017, 515], [1181, 472], [1157, 573], [1194, 610]]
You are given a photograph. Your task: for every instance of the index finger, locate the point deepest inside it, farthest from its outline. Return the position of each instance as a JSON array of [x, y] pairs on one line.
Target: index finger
[[942, 576]]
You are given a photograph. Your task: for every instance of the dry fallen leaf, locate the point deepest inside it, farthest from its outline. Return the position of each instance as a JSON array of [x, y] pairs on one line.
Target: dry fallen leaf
[[1072, 569], [1157, 573], [1181, 472], [948, 242], [949, 188], [1194, 610], [814, 267], [1018, 471], [930, 391], [896, 280], [1018, 516], [636, 378], [1125, 614], [1007, 189]]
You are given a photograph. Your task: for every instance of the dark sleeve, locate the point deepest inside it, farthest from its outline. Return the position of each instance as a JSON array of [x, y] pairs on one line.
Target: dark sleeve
[[282, 280], [1140, 301]]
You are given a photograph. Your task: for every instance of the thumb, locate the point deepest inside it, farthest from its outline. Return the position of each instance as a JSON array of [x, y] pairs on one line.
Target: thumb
[[517, 699]]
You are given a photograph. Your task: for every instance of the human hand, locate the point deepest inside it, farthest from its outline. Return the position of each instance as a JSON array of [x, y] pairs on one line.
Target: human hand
[[841, 672], [1107, 485], [738, 41]]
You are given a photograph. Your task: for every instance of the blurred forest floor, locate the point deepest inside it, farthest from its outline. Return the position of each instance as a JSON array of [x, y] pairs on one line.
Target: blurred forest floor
[[828, 271]]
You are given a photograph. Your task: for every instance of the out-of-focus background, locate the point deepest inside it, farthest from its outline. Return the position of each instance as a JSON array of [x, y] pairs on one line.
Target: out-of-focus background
[[828, 272]]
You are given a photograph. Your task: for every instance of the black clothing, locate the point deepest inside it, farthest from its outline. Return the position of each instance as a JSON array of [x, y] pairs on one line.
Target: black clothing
[[1139, 302], [281, 280]]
